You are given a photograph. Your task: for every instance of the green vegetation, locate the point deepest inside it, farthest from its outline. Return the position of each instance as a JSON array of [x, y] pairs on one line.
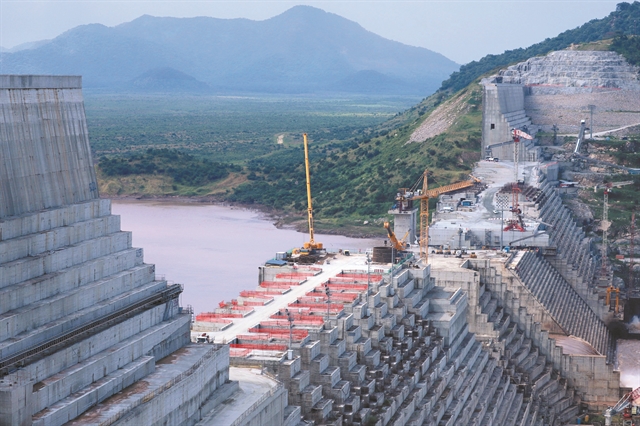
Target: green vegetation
[[623, 21], [184, 169], [629, 47], [360, 178]]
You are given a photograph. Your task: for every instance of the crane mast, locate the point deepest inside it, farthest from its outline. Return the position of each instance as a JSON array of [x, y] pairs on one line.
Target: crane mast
[[311, 245]]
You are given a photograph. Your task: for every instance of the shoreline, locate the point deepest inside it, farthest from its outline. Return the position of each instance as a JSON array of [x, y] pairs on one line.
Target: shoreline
[[279, 219]]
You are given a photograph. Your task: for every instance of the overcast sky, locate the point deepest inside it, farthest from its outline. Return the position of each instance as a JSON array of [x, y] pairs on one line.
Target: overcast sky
[[462, 30]]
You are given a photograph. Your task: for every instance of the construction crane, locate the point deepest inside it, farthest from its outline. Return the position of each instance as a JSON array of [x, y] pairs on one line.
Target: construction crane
[[312, 245], [516, 221], [605, 224], [612, 289], [622, 406], [397, 244], [407, 196], [632, 281]]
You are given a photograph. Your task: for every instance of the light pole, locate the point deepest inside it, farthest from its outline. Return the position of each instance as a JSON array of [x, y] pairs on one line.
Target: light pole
[[328, 293], [591, 108], [368, 274], [290, 319]]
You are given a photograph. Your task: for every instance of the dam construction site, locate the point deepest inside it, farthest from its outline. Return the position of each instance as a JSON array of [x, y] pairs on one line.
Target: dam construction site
[[495, 308]]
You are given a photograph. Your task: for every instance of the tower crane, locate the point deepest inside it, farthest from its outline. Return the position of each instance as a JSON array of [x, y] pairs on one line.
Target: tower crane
[[414, 193], [605, 224], [622, 406], [516, 221]]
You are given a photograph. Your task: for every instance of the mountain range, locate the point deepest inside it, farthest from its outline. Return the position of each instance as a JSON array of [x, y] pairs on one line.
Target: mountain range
[[303, 50]]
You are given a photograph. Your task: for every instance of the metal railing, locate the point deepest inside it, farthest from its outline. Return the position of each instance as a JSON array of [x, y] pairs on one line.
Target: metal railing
[[29, 355], [148, 397], [263, 398]]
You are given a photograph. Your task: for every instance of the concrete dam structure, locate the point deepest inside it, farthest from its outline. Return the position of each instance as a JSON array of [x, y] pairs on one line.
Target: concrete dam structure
[[88, 333]]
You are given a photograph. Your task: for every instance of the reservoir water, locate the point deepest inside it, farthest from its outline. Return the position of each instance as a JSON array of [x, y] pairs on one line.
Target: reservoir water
[[214, 251]]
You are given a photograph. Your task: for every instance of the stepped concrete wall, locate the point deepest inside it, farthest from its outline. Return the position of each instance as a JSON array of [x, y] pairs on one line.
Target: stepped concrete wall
[[83, 319], [593, 377], [45, 158]]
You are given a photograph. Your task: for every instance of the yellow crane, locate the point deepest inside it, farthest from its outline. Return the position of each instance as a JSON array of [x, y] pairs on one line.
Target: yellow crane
[[312, 245], [397, 244], [423, 195]]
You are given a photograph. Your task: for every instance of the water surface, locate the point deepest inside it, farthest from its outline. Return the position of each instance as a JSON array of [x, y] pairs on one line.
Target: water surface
[[213, 250]]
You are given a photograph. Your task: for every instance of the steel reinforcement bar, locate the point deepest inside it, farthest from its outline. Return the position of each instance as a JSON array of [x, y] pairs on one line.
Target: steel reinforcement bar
[[30, 355]]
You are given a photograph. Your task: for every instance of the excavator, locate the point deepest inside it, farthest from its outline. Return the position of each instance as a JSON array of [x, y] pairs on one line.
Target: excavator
[[623, 406], [397, 244], [311, 250]]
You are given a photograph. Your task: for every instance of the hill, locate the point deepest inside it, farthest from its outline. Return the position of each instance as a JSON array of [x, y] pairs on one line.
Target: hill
[[302, 50], [623, 21]]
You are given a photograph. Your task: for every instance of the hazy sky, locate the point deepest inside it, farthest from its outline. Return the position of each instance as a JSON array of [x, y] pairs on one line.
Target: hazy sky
[[462, 30]]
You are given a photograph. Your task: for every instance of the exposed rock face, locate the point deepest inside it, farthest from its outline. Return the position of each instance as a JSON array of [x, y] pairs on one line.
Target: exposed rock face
[[582, 71], [559, 87]]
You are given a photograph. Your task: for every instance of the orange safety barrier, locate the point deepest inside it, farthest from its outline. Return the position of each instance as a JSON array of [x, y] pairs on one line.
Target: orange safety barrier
[[318, 306], [293, 275], [260, 294], [253, 303], [344, 287], [284, 324], [238, 353], [346, 280], [263, 347], [210, 316], [271, 332], [241, 308], [300, 318], [318, 298], [275, 284]]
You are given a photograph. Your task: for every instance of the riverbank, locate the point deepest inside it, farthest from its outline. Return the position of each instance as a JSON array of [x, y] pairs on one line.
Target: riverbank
[[347, 227]]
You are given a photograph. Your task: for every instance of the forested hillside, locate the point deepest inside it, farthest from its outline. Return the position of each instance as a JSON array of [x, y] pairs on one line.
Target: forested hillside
[[623, 21]]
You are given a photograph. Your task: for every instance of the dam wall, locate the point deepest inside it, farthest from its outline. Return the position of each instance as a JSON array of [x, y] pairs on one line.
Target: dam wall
[[44, 144], [88, 333]]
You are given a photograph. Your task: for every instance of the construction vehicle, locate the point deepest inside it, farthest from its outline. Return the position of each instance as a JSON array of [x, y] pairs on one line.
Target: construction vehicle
[[612, 289], [311, 250], [397, 244], [623, 406], [406, 196]]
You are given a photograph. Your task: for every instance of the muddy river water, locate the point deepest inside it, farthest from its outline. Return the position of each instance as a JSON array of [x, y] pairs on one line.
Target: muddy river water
[[214, 251]]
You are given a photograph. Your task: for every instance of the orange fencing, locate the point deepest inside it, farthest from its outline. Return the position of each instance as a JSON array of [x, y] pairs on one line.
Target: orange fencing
[[335, 307], [266, 294], [238, 353], [263, 347], [299, 318], [274, 333], [213, 317], [312, 297], [344, 287], [295, 275], [275, 284]]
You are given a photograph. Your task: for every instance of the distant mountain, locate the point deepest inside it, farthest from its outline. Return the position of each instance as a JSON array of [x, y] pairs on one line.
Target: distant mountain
[[25, 46], [302, 50]]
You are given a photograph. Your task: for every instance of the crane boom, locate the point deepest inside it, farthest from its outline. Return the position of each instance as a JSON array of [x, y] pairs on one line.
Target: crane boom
[[311, 245], [424, 196], [397, 244]]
